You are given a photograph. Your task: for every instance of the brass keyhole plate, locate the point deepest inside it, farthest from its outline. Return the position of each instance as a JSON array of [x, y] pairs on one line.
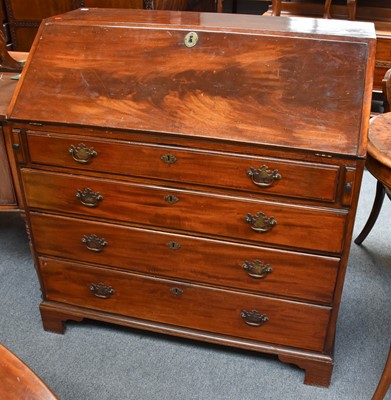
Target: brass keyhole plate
[[191, 39]]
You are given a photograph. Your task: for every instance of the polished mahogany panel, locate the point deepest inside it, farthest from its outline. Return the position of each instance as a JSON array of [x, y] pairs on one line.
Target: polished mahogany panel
[[185, 304], [291, 274], [196, 174], [244, 82], [173, 163], [315, 228]]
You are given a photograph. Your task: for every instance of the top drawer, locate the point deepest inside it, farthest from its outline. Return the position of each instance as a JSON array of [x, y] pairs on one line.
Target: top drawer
[[227, 170]]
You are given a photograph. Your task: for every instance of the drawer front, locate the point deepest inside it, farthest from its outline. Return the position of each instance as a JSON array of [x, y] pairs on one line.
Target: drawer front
[[294, 179], [287, 225], [188, 258], [186, 305]]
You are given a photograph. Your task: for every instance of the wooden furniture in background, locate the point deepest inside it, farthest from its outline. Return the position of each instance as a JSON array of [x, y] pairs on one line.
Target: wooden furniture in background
[[7, 62], [18, 381], [8, 200], [377, 11], [24, 17], [3, 27], [385, 380], [351, 8], [379, 165], [378, 160], [210, 190], [10, 66]]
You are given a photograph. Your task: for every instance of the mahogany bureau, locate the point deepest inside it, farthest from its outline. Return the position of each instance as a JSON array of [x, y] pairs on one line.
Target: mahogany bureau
[[195, 174]]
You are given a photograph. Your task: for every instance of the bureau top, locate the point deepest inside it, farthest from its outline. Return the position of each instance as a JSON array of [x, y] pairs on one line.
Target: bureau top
[[286, 82], [215, 21]]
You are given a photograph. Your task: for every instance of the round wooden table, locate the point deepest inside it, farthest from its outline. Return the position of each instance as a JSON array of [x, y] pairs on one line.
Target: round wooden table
[[378, 164], [18, 381]]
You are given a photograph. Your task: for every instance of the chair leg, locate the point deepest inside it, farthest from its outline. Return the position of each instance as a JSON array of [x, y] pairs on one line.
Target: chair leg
[[377, 205], [327, 8], [352, 9], [385, 380], [276, 8]]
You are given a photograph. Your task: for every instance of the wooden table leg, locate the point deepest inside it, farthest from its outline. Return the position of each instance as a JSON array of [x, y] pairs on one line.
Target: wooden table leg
[[219, 6], [327, 7], [385, 380], [352, 7], [377, 205], [7, 63], [276, 8]]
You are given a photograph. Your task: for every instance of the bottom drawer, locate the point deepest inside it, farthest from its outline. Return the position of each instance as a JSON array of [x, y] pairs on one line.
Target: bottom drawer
[[193, 306]]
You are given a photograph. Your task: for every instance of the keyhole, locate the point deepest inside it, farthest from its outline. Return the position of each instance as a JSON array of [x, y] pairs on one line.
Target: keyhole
[[191, 39], [173, 245], [168, 159], [176, 291], [171, 199]]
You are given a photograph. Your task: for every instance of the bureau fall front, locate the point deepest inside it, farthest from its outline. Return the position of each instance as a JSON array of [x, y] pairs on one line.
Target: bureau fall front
[[195, 174]]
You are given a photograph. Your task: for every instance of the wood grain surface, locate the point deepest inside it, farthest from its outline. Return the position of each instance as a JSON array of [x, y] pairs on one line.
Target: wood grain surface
[[261, 88]]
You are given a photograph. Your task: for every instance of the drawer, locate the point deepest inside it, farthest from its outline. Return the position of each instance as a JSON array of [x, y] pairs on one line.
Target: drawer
[[192, 306], [233, 171], [245, 267], [315, 228]]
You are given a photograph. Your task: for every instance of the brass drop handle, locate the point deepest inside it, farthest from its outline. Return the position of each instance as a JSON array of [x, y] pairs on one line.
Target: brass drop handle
[[257, 269], [101, 290], [82, 154], [94, 243], [260, 222], [88, 197], [254, 318], [263, 176]]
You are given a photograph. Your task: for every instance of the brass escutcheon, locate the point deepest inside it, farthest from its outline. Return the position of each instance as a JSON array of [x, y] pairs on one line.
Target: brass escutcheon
[[176, 291], [191, 39], [168, 159], [171, 199], [173, 245]]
